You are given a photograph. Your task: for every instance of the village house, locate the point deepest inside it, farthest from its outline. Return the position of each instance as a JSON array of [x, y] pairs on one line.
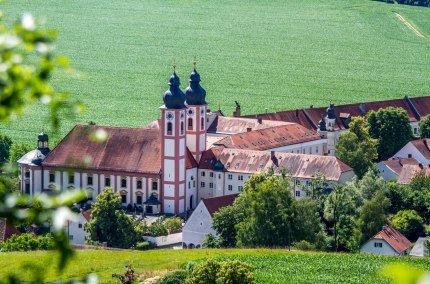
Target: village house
[[388, 241], [75, 229], [159, 168], [199, 225], [391, 168], [418, 149]]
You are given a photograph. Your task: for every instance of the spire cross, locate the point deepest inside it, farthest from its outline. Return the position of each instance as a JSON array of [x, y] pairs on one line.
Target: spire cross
[[194, 62], [174, 66]]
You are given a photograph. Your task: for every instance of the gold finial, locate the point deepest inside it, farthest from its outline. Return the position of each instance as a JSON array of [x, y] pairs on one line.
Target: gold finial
[[194, 62], [174, 66]]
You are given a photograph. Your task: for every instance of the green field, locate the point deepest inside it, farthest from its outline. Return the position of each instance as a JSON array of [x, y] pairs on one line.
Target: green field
[[266, 54], [272, 266]]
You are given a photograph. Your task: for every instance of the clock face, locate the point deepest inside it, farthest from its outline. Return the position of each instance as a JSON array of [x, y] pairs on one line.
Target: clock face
[[170, 116], [190, 112]]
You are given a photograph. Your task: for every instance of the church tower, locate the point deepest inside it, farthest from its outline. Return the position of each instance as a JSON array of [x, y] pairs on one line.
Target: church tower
[[196, 116], [330, 123], [173, 148]]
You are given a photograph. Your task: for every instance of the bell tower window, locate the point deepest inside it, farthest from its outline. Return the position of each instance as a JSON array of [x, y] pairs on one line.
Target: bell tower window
[[202, 124], [182, 127], [169, 128], [190, 123]]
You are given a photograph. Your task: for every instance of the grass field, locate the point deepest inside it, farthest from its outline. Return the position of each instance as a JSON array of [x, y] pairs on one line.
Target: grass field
[[266, 54], [272, 266]]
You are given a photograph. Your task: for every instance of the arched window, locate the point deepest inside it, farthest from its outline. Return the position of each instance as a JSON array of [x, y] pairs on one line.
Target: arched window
[[190, 123], [202, 124], [182, 127], [169, 128]]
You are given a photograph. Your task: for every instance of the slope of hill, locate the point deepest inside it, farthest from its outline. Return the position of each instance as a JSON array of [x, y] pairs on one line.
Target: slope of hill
[[272, 266], [265, 54]]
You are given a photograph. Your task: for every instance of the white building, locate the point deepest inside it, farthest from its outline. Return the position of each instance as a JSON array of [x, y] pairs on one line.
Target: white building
[[419, 249], [392, 168], [387, 242], [417, 149], [200, 222], [75, 229]]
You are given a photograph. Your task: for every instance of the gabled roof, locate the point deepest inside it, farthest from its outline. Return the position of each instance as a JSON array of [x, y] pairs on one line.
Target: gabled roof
[[87, 214], [232, 125], [394, 238], [416, 108], [270, 138], [213, 204], [423, 146], [409, 171], [297, 165], [125, 149], [396, 164], [7, 230]]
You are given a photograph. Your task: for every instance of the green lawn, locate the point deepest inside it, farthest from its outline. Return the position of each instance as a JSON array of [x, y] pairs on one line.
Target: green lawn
[[272, 266], [266, 54]]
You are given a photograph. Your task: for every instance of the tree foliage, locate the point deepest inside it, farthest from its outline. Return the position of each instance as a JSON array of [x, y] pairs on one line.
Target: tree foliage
[[225, 221], [409, 223], [424, 127], [109, 223], [390, 126], [5, 144]]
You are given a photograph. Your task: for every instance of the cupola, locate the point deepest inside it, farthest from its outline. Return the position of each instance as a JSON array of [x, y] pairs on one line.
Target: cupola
[[322, 125], [194, 93], [43, 143], [174, 98], [330, 111]]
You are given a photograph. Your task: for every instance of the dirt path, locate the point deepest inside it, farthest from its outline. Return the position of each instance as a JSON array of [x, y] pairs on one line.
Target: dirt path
[[404, 21]]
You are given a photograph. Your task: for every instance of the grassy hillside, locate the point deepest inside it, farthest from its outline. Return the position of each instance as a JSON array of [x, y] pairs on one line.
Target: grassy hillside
[[272, 266], [266, 54]]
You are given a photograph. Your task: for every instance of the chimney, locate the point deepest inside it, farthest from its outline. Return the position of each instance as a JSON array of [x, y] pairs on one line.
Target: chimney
[[249, 129], [236, 113], [260, 120]]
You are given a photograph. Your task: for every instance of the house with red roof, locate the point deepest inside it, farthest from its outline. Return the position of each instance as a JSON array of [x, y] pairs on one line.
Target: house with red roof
[[199, 225], [388, 241], [418, 149], [391, 169]]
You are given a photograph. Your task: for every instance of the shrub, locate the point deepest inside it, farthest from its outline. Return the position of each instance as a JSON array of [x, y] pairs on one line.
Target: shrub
[[409, 223], [173, 225], [304, 245], [175, 277], [27, 242], [225, 272], [205, 272], [144, 245], [211, 241]]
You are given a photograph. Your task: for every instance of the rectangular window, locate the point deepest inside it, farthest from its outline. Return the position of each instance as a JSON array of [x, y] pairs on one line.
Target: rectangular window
[[308, 183], [139, 199], [71, 237], [71, 178], [297, 182], [202, 174], [230, 176], [51, 177], [154, 185], [123, 198], [316, 150], [230, 187], [304, 151], [415, 130], [202, 184], [107, 181], [211, 185], [240, 188], [194, 183], [80, 226], [378, 245], [310, 150], [189, 184], [27, 188], [27, 174], [124, 182], [211, 174], [139, 184], [240, 177], [89, 180], [297, 193]]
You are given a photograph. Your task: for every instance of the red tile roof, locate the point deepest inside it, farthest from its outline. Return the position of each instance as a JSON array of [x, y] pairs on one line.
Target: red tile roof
[[213, 204], [396, 164], [423, 146], [232, 125], [408, 172], [394, 238], [270, 138], [125, 149], [87, 214], [297, 165], [310, 117]]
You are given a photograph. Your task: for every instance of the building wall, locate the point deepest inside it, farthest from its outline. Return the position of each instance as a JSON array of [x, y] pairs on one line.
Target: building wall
[[409, 151], [385, 172], [77, 235], [312, 147], [369, 247], [197, 227], [191, 195]]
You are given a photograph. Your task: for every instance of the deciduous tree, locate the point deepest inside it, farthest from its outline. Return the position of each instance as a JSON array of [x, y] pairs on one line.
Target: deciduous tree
[[409, 223], [424, 127], [5, 144]]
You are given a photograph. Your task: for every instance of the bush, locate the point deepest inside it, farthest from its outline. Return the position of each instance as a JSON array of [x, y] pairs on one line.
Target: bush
[[173, 225], [304, 245], [27, 242], [225, 272], [144, 245], [211, 241], [175, 277]]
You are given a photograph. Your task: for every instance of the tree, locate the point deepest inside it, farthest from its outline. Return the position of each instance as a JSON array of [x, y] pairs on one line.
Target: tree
[[419, 190], [9, 185], [5, 143], [16, 152], [400, 197], [268, 212], [357, 148], [109, 223], [409, 223], [390, 126], [424, 127], [225, 221], [373, 216], [306, 224], [211, 241]]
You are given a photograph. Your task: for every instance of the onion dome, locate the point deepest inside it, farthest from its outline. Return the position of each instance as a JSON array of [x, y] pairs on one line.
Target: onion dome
[[194, 93], [42, 143], [322, 125], [42, 137], [330, 111], [174, 98]]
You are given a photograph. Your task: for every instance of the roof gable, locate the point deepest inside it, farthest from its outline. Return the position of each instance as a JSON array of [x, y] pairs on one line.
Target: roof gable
[[215, 203], [394, 238]]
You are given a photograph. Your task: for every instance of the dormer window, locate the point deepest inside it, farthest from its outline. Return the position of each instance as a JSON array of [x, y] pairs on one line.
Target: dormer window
[[71, 178], [169, 128]]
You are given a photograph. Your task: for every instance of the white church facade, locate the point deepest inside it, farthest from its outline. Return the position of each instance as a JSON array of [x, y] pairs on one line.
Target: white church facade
[[169, 165]]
